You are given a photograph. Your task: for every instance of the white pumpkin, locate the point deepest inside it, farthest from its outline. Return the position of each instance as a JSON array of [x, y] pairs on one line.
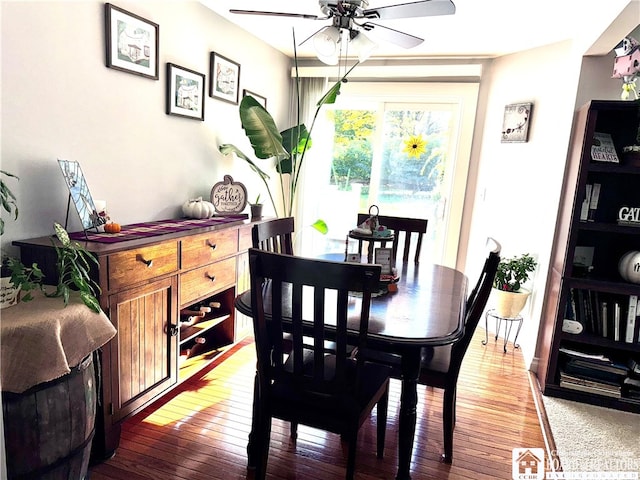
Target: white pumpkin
[[198, 208], [629, 266]]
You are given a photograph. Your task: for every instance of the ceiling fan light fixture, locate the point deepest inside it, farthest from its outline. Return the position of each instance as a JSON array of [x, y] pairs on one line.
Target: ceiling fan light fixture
[[325, 43], [363, 45]]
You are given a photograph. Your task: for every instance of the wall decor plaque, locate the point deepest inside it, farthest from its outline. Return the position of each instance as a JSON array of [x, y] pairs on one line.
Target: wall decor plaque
[[229, 197], [515, 125]]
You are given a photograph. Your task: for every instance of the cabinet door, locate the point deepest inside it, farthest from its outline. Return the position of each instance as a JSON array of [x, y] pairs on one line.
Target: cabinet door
[[144, 351]]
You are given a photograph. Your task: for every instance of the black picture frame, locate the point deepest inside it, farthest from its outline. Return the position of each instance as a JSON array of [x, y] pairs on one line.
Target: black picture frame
[[140, 55], [259, 98], [516, 121], [224, 79], [185, 92]]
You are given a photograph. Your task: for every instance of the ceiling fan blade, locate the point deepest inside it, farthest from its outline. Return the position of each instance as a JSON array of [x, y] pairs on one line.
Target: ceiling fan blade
[[391, 35], [424, 8], [277, 14]]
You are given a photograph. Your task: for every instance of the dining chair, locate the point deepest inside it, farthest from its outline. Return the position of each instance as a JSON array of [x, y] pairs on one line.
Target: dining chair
[[332, 391], [440, 366], [274, 235], [407, 228]]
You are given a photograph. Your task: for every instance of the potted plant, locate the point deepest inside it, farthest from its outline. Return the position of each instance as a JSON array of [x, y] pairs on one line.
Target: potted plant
[[509, 295], [9, 293], [73, 265], [288, 147], [256, 208]]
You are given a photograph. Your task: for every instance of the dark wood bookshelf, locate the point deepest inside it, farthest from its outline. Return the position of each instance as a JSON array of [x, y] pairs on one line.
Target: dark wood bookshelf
[[609, 241]]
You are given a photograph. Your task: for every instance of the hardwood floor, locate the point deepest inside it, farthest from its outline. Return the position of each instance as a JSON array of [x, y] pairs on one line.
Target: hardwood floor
[[201, 431]]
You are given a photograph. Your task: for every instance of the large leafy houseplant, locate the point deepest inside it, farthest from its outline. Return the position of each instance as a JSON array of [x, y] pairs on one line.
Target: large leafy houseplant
[[288, 147]]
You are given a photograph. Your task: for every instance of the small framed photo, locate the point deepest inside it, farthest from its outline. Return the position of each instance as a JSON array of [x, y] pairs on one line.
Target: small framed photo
[[515, 125], [132, 42], [185, 92], [259, 98], [224, 83], [382, 256]]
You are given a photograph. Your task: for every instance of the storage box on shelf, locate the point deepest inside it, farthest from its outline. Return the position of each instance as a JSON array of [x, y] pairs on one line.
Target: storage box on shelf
[[594, 365], [145, 284]]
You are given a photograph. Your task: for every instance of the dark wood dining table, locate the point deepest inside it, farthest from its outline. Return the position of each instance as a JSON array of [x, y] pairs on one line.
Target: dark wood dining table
[[427, 309]]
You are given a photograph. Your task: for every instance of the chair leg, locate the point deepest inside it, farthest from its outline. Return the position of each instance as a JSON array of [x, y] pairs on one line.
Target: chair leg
[[448, 422], [262, 447], [383, 405], [294, 430], [352, 440]]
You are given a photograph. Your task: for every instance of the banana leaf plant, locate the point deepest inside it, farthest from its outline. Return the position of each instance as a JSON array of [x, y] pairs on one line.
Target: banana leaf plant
[[288, 147]]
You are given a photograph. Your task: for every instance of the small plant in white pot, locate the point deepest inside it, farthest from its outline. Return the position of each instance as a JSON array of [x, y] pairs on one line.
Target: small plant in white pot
[[509, 295]]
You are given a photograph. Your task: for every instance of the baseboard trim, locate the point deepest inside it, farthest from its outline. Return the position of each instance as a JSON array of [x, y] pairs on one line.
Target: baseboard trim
[[549, 442]]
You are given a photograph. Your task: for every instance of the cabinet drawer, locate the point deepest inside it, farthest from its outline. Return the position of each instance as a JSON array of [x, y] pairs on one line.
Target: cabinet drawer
[[134, 266], [206, 248], [206, 280]]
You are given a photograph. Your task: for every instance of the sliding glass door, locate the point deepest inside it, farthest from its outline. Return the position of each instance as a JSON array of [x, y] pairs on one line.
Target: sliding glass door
[[381, 145]]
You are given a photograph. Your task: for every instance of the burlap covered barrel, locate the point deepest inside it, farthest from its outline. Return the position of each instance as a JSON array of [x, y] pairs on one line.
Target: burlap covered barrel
[[49, 428]]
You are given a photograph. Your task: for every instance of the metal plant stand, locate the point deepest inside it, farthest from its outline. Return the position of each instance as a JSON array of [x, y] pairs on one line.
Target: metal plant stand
[[508, 325]]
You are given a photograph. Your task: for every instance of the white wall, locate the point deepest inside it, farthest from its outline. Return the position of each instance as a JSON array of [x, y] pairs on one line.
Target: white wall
[[518, 185], [60, 101]]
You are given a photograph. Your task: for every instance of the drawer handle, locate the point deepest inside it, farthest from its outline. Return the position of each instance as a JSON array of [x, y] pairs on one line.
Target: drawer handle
[[211, 277], [148, 263], [212, 245], [173, 330]]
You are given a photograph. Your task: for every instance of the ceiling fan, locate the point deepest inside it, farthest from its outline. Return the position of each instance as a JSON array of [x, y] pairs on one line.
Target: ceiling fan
[[354, 17]]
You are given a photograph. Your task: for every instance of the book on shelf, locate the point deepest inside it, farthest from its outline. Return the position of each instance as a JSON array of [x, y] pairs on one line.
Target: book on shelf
[[584, 211], [611, 372], [590, 387], [631, 388], [631, 319], [593, 202], [607, 315], [604, 314], [603, 149]]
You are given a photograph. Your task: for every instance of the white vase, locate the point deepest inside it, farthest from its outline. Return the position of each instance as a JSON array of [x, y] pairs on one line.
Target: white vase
[[509, 304]]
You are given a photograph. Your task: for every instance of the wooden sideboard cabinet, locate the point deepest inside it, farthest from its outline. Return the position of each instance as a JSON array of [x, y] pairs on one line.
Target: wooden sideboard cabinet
[[146, 284]]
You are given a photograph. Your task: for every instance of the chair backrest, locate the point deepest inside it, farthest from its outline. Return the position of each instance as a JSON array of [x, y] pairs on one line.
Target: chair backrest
[[476, 303], [402, 227], [278, 280], [274, 235]]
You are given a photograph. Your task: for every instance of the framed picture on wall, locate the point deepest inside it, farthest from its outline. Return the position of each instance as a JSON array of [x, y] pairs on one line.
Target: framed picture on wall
[[224, 79], [515, 125], [132, 42], [259, 98], [185, 92]]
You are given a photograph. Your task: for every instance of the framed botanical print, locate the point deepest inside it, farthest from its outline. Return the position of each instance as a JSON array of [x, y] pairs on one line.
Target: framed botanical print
[[515, 125], [224, 79], [185, 92], [132, 42], [259, 98]]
